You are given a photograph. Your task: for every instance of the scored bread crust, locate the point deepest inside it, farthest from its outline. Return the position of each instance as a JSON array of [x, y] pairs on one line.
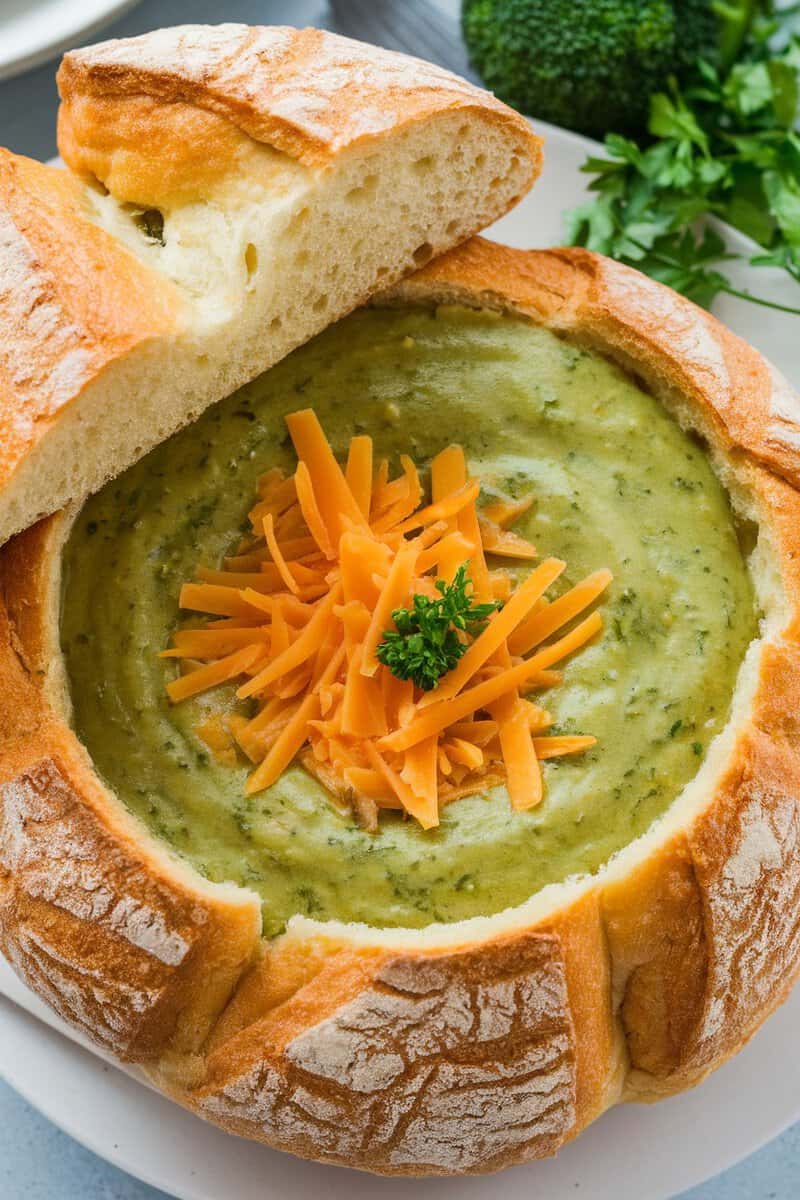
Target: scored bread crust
[[73, 302], [309, 94], [469, 1047], [295, 173]]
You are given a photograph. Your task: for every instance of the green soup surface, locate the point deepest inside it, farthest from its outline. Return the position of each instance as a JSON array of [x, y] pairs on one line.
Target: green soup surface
[[616, 483]]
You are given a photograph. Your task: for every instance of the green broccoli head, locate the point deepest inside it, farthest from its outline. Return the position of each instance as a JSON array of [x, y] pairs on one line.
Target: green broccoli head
[[589, 65]]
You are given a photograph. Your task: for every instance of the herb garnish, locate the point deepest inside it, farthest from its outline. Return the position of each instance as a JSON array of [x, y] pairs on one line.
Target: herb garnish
[[425, 643], [725, 146]]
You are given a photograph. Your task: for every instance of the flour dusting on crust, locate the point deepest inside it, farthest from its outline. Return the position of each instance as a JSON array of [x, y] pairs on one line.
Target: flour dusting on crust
[[754, 911], [682, 327], [93, 930], [450, 1062], [73, 879], [306, 92], [30, 306], [785, 411]]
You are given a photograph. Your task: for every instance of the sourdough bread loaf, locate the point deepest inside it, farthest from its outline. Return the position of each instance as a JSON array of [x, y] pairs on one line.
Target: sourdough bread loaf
[[232, 190], [466, 1047]]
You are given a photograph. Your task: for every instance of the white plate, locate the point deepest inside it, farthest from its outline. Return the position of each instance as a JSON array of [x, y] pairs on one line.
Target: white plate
[[632, 1152], [31, 31], [539, 221]]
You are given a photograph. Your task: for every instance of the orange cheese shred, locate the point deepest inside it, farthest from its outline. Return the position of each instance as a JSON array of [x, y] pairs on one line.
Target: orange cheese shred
[[311, 511], [420, 771], [216, 601], [542, 624], [267, 579], [448, 553], [459, 750], [448, 472], [506, 512], [523, 774], [221, 671], [449, 507], [554, 747], [363, 712], [360, 560], [358, 473], [504, 542], [277, 555], [406, 503], [422, 809], [367, 781], [281, 637], [330, 486], [213, 643]]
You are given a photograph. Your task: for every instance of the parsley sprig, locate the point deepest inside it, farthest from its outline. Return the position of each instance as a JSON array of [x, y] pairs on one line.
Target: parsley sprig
[[727, 146], [430, 637]]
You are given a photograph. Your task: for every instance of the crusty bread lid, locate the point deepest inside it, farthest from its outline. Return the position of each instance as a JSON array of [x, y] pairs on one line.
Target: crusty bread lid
[[297, 172]]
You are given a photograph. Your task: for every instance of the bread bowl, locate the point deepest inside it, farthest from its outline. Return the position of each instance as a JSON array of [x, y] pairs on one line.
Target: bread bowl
[[464, 1045]]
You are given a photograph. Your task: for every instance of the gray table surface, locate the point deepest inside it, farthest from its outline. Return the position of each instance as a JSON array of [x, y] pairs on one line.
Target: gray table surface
[[37, 1161]]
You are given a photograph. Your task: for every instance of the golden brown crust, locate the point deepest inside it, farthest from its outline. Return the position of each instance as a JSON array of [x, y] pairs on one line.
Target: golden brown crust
[[467, 1056], [100, 922], [397, 1062], [308, 94], [73, 301]]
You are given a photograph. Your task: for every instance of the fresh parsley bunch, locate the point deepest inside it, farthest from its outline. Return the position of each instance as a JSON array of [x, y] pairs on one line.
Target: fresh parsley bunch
[[726, 146], [425, 643]]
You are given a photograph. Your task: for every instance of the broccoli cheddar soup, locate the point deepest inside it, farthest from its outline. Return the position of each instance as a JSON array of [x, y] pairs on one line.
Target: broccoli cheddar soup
[[613, 483]]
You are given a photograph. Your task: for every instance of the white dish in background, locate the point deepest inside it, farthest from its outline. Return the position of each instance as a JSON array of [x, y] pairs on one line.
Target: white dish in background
[[634, 1151], [538, 221], [31, 31]]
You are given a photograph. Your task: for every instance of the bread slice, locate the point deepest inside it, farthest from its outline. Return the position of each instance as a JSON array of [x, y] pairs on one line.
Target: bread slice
[[232, 190], [467, 1047]]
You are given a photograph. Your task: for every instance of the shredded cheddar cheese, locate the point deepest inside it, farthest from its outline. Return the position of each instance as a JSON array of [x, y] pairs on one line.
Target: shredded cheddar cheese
[[298, 613]]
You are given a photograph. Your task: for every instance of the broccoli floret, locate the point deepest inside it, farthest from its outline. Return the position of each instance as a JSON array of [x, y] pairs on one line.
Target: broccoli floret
[[589, 65]]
